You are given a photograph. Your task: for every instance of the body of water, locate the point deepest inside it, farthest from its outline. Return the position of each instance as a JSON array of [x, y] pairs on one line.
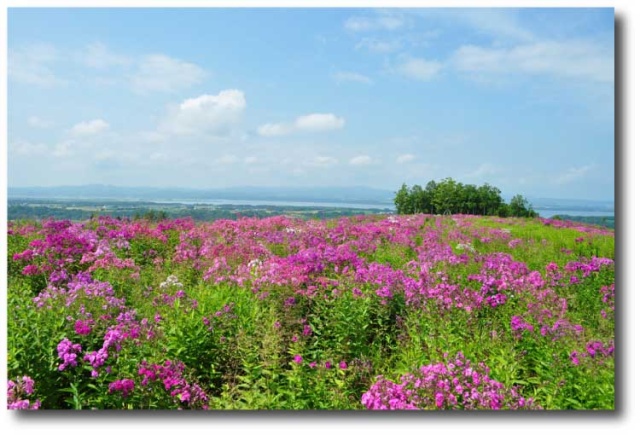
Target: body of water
[[546, 213], [278, 203]]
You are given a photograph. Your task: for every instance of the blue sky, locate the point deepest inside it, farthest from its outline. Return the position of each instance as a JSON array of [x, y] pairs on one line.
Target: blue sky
[[520, 98]]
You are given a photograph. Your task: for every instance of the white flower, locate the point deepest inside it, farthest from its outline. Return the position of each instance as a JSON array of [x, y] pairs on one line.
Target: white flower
[[465, 247]]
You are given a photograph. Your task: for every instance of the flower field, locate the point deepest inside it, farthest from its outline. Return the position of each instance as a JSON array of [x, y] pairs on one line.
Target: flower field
[[365, 313]]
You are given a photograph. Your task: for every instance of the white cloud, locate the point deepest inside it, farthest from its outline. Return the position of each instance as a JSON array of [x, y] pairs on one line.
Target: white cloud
[[98, 56], [419, 69], [160, 73], [37, 122], [250, 160], [206, 114], [321, 161], [573, 174], [26, 148], [361, 160], [483, 170], [314, 122], [382, 21], [498, 23], [398, 42], [32, 65], [348, 76], [63, 149], [377, 46], [269, 130], [319, 122], [150, 137], [573, 59], [88, 128], [405, 158]]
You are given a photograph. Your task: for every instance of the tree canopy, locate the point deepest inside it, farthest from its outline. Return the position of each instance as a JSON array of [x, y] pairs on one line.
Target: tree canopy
[[452, 197]]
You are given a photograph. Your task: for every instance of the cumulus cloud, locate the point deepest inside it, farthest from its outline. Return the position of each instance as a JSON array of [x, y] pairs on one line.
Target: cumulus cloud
[[405, 158], [269, 130], [348, 76], [26, 148], [314, 122], [33, 65], [499, 23], [98, 56], [88, 128], [361, 160], [319, 122], [160, 73], [206, 114], [572, 59], [419, 69]]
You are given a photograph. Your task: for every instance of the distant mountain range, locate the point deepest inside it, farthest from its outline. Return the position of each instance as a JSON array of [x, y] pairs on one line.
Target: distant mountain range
[[356, 195], [346, 195]]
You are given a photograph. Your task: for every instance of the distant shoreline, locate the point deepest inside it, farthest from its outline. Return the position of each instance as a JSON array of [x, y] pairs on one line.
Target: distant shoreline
[[544, 212]]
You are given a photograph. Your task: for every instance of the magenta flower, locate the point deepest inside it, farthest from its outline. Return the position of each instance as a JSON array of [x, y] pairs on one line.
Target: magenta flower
[[125, 386], [82, 327], [574, 358], [16, 392], [343, 365], [68, 353], [297, 359]]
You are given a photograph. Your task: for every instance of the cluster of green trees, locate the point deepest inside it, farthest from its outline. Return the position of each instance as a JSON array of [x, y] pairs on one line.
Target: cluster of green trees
[[452, 197]]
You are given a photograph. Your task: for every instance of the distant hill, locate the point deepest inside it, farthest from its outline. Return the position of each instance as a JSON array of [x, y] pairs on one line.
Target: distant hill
[[358, 194], [345, 195]]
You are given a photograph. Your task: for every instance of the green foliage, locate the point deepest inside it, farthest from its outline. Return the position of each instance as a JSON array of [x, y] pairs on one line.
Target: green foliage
[[240, 344], [451, 197]]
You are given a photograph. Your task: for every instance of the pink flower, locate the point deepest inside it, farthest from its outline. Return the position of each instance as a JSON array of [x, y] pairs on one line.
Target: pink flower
[[82, 327]]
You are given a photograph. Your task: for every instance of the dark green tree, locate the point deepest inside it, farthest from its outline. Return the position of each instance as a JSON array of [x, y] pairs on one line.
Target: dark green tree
[[451, 197], [520, 207], [416, 196], [402, 200]]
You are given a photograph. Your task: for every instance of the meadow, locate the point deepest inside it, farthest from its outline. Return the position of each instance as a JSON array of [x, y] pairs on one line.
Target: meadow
[[357, 313]]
